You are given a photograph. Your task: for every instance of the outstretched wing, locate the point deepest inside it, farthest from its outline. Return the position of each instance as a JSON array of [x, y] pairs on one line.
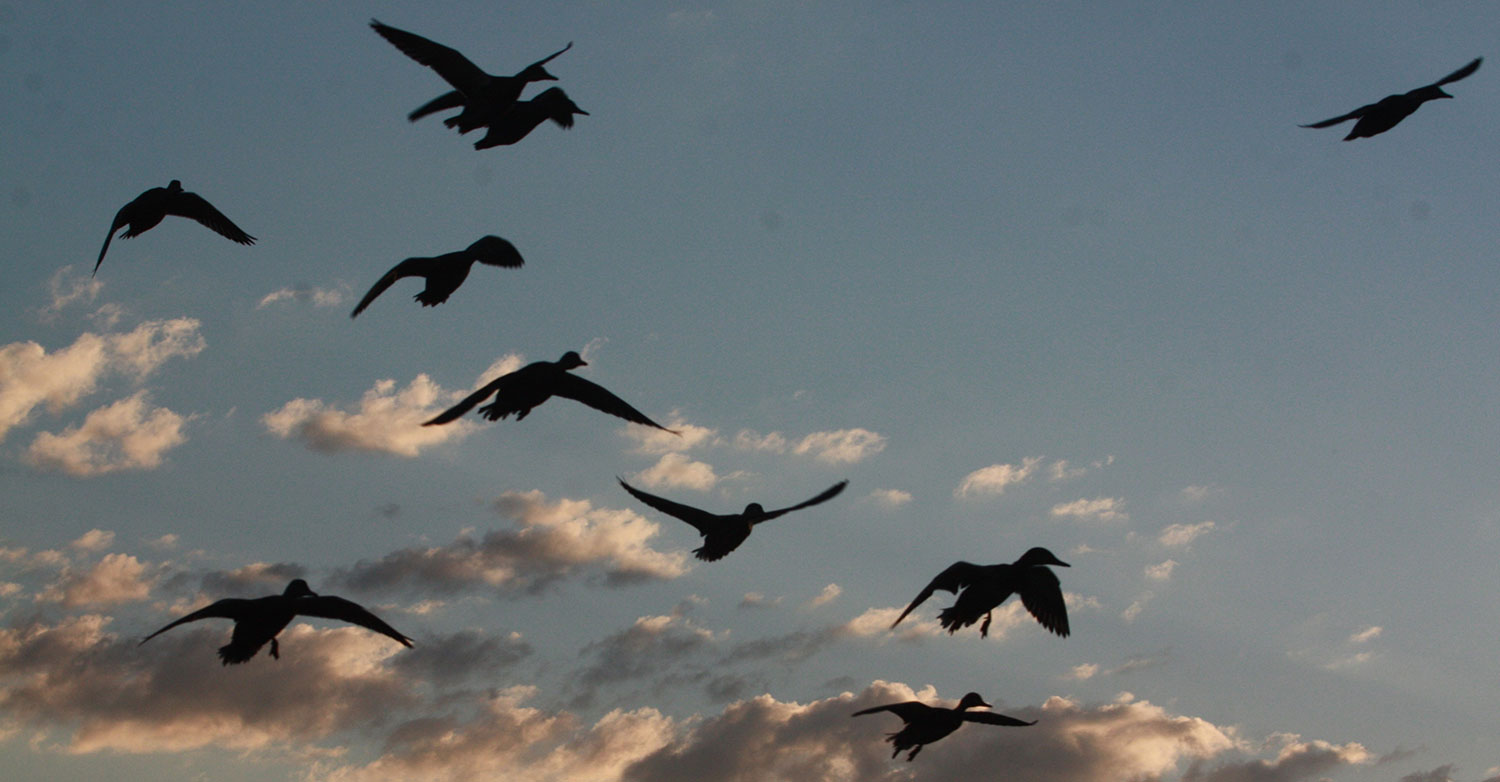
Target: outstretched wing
[[1357, 113], [549, 57], [494, 251], [1042, 595], [448, 100], [596, 396], [956, 577], [330, 607], [702, 520], [1461, 73], [469, 401], [908, 711], [411, 267], [828, 494], [449, 64], [228, 608], [193, 206], [122, 219], [993, 718]]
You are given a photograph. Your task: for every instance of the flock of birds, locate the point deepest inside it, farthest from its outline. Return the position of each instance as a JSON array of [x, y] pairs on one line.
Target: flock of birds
[[494, 103]]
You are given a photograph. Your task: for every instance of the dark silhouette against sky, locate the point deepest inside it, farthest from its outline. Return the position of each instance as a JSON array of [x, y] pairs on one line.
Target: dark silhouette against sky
[[444, 273], [1377, 118], [724, 533], [152, 206], [258, 620], [525, 115], [926, 724], [981, 588]]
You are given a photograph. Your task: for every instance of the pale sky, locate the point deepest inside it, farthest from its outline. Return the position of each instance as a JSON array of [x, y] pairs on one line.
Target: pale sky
[[1062, 274]]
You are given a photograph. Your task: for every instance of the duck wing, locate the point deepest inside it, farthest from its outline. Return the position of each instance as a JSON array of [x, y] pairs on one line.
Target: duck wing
[[468, 402], [956, 577], [993, 718], [1461, 73], [908, 711], [702, 520], [596, 396], [448, 100], [449, 64], [828, 494], [494, 251], [411, 267], [192, 206], [122, 219], [1042, 595], [331, 607], [1357, 113], [229, 608]]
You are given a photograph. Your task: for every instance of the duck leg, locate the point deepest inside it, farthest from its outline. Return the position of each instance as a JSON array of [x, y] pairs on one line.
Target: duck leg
[[275, 649], [984, 629], [913, 753]]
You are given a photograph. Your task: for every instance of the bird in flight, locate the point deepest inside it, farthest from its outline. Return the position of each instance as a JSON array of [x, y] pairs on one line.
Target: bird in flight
[[982, 588], [482, 96], [1379, 117], [444, 273], [535, 383], [150, 207], [525, 115], [259, 620], [724, 533], [926, 724]]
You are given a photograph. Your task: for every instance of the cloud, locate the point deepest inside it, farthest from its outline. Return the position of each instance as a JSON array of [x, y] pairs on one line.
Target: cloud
[[450, 659], [113, 580], [829, 594], [677, 471], [1063, 470], [652, 645], [890, 498], [1442, 773], [1133, 611], [30, 377], [1183, 534], [552, 541], [387, 420], [1196, 494], [93, 540], [66, 287], [996, 478], [1099, 509], [1296, 760], [654, 441], [1082, 672], [1090, 670], [758, 600], [125, 435], [1367, 634], [1161, 572], [319, 297], [841, 446]]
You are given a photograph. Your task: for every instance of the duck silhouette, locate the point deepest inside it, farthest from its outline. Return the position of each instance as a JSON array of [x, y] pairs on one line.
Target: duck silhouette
[[519, 391], [152, 206], [982, 588], [926, 724], [444, 273], [724, 533], [1383, 115], [525, 115], [482, 96], [259, 620]]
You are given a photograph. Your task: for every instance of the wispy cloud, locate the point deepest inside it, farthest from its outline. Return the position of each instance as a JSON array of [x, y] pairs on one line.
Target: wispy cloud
[[1161, 571], [829, 594], [1367, 634], [1098, 509], [841, 446], [890, 498], [68, 286], [126, 435], [318, 297], [655, 441], [1183, 534], [993, 480]]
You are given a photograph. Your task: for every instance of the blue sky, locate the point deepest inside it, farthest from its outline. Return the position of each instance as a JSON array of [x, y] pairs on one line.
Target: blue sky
[[1067, 276]]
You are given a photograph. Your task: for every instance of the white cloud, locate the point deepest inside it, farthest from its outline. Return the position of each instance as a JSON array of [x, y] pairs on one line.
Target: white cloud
[[677, 471], [751, 440], [996, 478], [387, 420], [758, 600], [126, 435], [319, 297], [1196, 494], [30, 377], [890, 498], [829, 594], [1367, 634], [654, 441], [1183, 534], [1161, 572], [1135, 608], [67, 286], [1082, 672], [93, 540], [113, 580], [841, 446], [1099, 509]]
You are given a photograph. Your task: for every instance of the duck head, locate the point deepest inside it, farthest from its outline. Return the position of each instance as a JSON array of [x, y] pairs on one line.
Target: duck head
[[535, 71], [1040, 556], [571, 360], [175, 186], [970, 701], [754, 509], [298, 588]]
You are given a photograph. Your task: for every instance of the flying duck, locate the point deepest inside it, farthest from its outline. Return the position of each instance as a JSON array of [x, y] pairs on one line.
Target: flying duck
[[1379, 117], [926, 724], [259, 620], [534, 384], [482, 96], [525, 115], [444, 273], [982, 588], [150, 207], [723, 534]]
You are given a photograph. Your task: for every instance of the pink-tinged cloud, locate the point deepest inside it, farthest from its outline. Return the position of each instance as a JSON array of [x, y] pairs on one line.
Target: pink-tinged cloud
[[996, 478], [677, 471], [126, 435]]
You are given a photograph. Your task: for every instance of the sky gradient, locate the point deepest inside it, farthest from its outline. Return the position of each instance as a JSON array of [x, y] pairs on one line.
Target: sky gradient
[[1065, 275]]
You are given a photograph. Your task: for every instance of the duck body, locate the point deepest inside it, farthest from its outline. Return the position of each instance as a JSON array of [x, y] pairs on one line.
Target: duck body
[[1378, 117], [445, 273]]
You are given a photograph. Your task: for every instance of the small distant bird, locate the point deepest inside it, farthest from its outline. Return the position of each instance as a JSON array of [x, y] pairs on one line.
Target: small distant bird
[[444, 273], [723, 534], [982, 588], [534, 384], [259, 620], [482, 96], [1379, 117], [150, 207], [926, 724], [525, 115]]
